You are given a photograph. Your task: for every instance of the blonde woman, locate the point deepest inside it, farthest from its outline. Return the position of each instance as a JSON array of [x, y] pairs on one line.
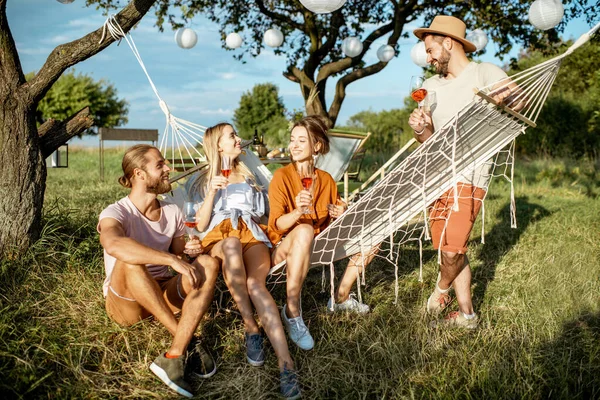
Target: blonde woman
[[230, 214]]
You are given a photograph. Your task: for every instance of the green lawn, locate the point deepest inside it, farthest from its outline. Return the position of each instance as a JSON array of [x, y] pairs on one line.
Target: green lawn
[[536, 289]]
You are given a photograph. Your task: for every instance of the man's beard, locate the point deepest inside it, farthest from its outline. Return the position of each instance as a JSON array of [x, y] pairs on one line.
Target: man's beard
[[158, 186], [442, 63]]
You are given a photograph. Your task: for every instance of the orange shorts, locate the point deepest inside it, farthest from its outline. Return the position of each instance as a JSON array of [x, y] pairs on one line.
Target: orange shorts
[[460, 223], [225, 230]]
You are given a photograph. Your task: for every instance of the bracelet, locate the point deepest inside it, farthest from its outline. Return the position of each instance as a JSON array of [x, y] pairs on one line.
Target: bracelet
[[420, 133]]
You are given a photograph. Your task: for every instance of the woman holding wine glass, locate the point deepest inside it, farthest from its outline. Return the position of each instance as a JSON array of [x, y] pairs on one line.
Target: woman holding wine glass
[[297, 214], [232, 205]]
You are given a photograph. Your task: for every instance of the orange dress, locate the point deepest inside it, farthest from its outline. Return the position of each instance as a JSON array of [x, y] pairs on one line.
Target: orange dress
[[284, 188]]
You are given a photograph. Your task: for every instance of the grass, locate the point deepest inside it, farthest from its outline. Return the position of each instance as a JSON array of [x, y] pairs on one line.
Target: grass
[[536, 288]]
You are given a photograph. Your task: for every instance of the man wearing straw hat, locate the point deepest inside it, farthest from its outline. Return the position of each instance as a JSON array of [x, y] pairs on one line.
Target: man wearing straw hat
[[453, 85]]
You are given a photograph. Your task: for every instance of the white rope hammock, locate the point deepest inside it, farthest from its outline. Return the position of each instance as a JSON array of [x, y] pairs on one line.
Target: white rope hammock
[[395, 210], [180, 139]]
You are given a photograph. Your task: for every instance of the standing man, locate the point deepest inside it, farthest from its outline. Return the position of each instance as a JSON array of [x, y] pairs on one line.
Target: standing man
[[456, 78], [143, 239]]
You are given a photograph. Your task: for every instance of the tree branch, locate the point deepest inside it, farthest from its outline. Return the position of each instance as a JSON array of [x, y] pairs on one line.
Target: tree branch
[[10, 65], [54, 134], [342, 83], [68, 54], [278, 17]]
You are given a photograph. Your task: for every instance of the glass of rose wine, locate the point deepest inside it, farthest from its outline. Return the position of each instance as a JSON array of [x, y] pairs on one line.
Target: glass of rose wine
[[417, 91], [189, 215], [307, 177]]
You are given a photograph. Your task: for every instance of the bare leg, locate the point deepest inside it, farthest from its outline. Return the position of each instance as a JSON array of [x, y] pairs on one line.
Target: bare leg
[[234, 272], [455, 270], [134, 282], [351, 274], [462, 288], [296, 250], [258, 263], [195, 305]]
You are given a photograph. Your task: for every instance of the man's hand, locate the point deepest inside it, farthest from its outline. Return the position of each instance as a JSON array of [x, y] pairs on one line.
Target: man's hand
[[419, 120], [193, 247], [188, 270]]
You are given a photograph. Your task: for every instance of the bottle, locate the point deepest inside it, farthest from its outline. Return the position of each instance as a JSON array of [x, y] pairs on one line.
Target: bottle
[[262, 137], [255, 140]]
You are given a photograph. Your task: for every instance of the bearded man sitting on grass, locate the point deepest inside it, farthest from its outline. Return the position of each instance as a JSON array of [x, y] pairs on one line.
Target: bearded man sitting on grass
[[142, 237]]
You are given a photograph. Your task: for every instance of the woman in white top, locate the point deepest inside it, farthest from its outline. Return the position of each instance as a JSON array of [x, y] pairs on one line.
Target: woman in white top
[[230, 214]]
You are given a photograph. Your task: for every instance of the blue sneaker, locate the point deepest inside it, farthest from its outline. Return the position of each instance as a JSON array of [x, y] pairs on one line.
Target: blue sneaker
[[254, 349], [288, 384], [297, 331]]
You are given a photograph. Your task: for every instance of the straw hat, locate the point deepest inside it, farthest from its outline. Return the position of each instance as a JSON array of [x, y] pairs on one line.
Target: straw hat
[[448, 26]]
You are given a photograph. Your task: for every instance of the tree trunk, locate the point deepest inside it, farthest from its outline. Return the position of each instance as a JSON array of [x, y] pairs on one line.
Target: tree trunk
[[22, 177]]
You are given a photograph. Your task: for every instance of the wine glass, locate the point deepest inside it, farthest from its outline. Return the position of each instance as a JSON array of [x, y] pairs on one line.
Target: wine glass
[[307, 177], [417, 91], [225, 166], [429, 102], [189, 215]]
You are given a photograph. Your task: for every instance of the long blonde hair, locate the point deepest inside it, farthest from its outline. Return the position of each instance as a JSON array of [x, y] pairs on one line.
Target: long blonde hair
[[213, 158]]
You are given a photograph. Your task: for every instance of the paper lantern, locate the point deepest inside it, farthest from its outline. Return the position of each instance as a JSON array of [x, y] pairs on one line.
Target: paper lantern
[[546, 14], [322, 6], [273, 37], [233, 40], [352, 46], [385, 53], [186, 38], [479, 38], [419, 55], [65, 1]]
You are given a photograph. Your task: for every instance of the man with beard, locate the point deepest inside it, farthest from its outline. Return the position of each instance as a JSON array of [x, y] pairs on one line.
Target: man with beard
[[456, 78], [143, 240]]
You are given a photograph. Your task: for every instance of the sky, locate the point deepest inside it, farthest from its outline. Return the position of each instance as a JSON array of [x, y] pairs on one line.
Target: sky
[[203, 84]]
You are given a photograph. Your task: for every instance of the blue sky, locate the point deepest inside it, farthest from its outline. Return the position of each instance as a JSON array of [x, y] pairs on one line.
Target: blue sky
[[203, 84]]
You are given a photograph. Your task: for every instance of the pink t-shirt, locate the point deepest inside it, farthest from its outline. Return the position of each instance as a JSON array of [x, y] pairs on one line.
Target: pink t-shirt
[[155, 234]]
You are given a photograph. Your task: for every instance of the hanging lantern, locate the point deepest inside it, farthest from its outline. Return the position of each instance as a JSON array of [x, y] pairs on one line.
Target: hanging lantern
[[546, 14], [65, 1], [352, 46], [233, 40], [186, 38], [479, 38], [385, 53], [322, 6], [419, 55], [273, 37]]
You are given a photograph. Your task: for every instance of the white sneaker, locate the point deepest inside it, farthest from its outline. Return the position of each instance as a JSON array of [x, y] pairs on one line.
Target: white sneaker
[[297, 331], [350, 305]]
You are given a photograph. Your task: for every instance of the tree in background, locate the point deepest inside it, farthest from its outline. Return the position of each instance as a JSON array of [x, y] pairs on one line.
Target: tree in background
[[313, 42], [569, 123], [73, 92], [262, 109]]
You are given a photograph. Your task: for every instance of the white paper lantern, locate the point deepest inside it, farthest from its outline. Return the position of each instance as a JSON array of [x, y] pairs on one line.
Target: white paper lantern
[[322, 6], [419, 55], [65, 1], [186, 38], [479, 38], [233, 40], [352, 46], [546, 14], [273, 37], [385, 53]]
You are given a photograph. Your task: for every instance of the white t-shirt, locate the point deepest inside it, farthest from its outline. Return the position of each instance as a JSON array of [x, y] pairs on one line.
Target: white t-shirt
[[155, 234], [453, 95]]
